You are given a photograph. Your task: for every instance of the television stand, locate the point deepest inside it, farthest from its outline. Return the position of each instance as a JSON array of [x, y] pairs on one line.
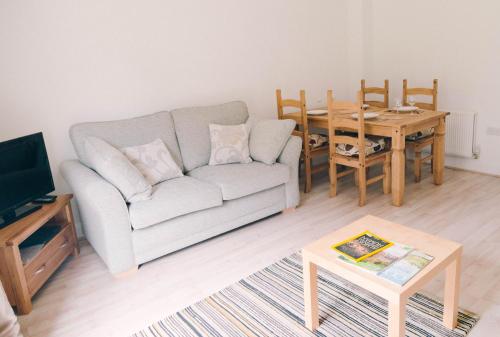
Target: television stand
[[32, 248], [18, 213]]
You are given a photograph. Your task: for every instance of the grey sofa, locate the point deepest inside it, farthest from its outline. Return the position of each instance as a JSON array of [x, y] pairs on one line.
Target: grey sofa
[[207, 201]]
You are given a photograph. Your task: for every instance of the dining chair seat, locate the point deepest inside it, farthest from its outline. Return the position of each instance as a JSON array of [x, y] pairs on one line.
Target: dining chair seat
[[372, 145], [371, 159]]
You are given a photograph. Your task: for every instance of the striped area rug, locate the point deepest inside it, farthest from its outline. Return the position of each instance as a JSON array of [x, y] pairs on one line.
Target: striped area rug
[[270, 303]]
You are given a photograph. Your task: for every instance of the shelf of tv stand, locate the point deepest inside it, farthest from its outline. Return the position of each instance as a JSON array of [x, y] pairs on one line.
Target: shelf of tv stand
[[22, 281]]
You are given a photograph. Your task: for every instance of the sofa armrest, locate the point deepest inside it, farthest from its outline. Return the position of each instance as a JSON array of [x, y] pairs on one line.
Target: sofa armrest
[[104, 216], [291, 156]]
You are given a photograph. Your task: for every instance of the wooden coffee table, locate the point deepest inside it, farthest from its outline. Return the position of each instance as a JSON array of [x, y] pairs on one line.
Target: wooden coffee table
[[447, 255]]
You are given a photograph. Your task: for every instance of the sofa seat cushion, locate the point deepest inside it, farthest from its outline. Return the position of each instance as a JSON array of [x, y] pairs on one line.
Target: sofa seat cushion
[[173, 198], [239, 180]]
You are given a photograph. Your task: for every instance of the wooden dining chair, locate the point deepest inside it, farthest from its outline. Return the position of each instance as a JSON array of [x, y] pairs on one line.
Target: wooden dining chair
[[376, 90], [337, 121], [302, 130], [421, 92], [418, 142]]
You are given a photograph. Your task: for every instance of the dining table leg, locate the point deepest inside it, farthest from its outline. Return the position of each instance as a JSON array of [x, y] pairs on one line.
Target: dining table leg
[[398, 167], [438, 155]]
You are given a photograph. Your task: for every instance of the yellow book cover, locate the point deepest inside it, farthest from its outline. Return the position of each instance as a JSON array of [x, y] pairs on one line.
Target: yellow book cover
[[361, 246]]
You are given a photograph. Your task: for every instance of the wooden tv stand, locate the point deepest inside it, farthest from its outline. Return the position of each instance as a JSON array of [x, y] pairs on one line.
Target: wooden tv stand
[[22, 280]]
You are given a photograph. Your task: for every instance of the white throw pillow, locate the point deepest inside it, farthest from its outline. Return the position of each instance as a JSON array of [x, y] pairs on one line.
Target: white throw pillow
[[113, 166], [229, 144], [268, 138], [154, 161]]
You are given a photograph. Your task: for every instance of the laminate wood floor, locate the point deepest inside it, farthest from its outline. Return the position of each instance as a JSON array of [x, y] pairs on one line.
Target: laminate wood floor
[[83, 299]]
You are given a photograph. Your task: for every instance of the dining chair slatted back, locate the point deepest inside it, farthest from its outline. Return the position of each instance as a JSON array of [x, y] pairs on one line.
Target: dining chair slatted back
[[418, 145], [302, 130], [339, 120], [357, 125], [432, 92], [384, 91], [300, 105]]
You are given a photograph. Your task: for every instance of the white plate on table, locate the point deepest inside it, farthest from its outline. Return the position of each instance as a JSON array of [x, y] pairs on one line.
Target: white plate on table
[[406, 109], [368, 115], [317, 112]]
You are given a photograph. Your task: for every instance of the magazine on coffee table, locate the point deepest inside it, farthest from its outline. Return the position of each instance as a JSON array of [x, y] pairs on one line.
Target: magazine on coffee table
[[397, 264], [361, 246], [404, 269], [381, 260]]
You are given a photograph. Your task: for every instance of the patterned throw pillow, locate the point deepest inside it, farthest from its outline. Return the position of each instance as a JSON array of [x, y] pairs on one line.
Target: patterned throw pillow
[[372, 145], [317, 140], [229, 144], [421, 134], [154, 161]]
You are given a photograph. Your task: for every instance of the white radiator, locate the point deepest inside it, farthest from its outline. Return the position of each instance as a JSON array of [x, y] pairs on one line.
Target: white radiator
[[461, 135]]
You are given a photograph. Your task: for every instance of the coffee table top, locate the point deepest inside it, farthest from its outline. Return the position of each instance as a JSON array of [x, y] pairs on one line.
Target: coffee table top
[[444, 252]]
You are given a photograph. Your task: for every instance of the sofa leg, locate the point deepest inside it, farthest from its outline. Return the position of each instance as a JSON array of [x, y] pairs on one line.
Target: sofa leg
[[128, 273], [288, 210]]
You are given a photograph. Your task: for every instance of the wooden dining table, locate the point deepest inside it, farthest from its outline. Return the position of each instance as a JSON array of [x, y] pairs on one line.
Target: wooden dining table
[[397, 125]]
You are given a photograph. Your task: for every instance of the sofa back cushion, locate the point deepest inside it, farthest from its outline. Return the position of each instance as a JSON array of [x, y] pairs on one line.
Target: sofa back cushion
[[128, 132], [114, 166], [268, 138], [191, 127]]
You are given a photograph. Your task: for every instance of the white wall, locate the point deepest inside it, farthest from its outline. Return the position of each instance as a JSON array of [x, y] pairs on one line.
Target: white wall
[[455, 41], [64, 62]]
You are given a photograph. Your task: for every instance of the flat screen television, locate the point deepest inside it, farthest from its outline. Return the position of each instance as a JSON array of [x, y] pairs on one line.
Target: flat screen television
[[24, 176]]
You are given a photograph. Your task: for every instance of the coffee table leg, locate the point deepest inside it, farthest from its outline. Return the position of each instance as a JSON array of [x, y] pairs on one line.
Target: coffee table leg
[[311, 295], [397, 317], [451, 291]]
